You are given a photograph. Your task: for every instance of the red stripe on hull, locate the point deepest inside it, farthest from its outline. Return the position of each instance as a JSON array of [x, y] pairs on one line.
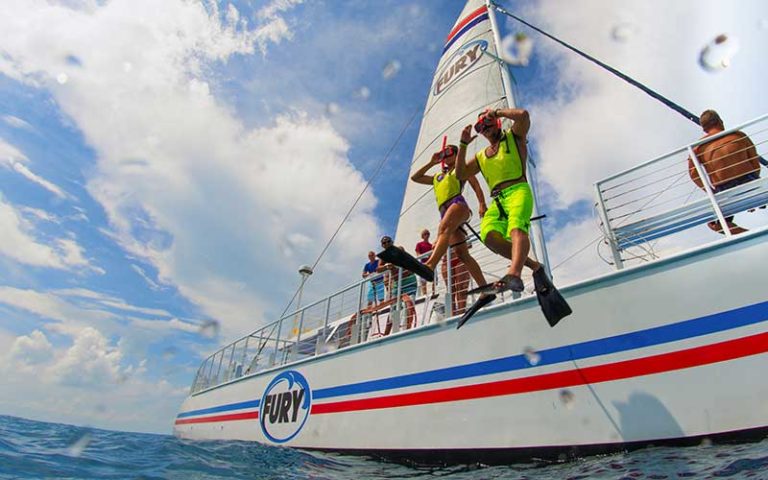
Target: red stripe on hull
[[220, 418]]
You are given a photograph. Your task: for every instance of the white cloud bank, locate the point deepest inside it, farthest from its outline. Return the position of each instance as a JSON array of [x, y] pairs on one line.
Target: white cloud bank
[[87, 378], [212, 205]]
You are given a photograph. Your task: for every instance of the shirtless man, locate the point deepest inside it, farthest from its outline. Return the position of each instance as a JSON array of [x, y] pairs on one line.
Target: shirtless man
[[729, 161]]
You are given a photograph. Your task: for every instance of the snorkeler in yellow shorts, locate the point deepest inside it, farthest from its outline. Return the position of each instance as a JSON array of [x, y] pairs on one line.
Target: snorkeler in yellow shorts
[[504, 228]]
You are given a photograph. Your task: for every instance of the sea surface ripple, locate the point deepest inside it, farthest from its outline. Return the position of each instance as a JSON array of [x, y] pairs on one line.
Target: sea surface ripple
[[39, 450]]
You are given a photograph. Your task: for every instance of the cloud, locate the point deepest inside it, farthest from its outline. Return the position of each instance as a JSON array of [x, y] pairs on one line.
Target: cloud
[[17, 122], [89, 362], [90, 380], [185, 185], [31, 349], [12, 158], [19, 242]]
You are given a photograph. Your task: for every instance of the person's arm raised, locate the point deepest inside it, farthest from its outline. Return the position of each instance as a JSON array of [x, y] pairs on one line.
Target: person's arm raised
[[520, 117], [481, 206], [420, 175], [465, 169]]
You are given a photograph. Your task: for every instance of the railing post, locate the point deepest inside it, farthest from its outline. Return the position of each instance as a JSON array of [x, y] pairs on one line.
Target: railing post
[[397, 320], [277, 342], [448, 283], [245, 353], [704, 176], [231, 370], [218, 370], [609, 231], [321, 337], [298, 334]]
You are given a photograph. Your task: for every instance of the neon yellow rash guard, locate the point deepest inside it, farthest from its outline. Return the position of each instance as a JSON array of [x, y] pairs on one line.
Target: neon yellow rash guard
[[447, 186], [504, 166]]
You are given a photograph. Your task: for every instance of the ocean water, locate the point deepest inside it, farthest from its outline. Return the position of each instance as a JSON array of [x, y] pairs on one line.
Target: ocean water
[[39, 450]]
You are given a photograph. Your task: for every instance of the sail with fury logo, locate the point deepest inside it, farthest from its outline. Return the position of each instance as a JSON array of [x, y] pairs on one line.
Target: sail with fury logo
[[460, 63]]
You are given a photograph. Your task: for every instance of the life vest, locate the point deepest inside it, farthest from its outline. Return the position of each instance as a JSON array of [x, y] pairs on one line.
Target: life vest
[[447, 186], [504, 166]]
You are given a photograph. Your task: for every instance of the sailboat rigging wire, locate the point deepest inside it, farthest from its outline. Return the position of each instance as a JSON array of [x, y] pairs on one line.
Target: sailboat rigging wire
[[669, 103], [357, 200]]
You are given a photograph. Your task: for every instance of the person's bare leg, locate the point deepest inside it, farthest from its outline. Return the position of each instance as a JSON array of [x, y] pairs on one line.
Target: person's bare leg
[[471, 264], [456, 215], [521, 245], [501, 246]]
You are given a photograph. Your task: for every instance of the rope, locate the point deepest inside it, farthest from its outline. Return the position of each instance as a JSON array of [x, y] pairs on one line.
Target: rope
[[682, 111]]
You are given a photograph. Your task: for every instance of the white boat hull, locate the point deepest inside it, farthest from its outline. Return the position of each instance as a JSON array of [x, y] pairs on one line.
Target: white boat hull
[[667, 351]]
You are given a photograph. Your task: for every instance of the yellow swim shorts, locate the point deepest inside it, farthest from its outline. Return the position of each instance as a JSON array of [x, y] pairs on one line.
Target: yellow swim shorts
[[517, 203]]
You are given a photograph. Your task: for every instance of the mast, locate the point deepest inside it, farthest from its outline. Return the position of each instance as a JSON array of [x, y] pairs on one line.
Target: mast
[[539, 245]]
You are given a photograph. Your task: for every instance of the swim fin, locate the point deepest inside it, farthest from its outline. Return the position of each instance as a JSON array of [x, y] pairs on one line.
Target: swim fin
[[479, 303], [487, 288], [402, 259], [553, 305]]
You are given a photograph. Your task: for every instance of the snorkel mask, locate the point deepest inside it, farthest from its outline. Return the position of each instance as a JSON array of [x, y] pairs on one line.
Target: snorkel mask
[[484, 122], [445, 152]]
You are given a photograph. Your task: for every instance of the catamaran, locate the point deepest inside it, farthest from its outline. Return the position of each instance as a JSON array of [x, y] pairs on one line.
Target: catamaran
[[666, 349]]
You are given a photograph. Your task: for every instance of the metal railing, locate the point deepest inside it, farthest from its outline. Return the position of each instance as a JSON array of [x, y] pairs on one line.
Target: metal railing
[[660, 197], [355, 314]]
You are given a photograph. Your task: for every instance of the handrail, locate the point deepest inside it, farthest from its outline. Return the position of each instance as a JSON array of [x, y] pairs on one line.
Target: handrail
[[341, 318]]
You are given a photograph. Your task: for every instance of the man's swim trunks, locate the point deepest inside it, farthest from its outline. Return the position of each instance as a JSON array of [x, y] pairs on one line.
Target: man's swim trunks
[[516, 204]]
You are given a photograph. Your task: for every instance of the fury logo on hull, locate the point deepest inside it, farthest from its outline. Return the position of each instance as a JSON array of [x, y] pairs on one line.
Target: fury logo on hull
[[285, 406], [459, 64], [279, 406]]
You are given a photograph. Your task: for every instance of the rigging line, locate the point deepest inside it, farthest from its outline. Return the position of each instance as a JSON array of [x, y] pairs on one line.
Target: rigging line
[[352, 208], [669, 103]]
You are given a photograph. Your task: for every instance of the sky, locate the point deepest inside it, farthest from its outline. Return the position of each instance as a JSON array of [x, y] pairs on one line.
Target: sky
[[166, 166]]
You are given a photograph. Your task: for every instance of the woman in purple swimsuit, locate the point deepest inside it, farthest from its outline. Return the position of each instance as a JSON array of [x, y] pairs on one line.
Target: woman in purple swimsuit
[[454, 211]]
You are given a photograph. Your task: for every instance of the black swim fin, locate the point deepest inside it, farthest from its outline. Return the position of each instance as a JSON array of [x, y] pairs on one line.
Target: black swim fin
[[479, 303], [487, 288], [402, 259], [553, 305]]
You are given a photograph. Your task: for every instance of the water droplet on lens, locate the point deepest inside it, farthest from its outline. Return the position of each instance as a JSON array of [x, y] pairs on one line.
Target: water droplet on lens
[[73, 60], [717, 54], [706, 442], [532, 356], [169, 353], [62, 78], [516, 49], [327, 347], [390, 69], [363, 93], [568, 398], [77, 448], [332, 108], [210, 329], [623, 32]]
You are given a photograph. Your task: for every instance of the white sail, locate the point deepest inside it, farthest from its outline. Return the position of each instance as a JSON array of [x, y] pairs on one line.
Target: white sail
[[469, 78]]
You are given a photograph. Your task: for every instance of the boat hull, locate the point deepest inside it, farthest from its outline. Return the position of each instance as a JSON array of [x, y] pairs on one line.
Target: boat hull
[[668, 352]]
